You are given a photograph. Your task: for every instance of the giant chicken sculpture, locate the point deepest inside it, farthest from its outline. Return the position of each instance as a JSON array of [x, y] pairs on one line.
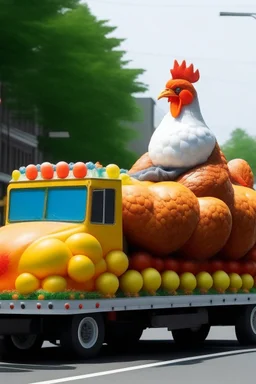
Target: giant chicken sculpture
[[183, 197]]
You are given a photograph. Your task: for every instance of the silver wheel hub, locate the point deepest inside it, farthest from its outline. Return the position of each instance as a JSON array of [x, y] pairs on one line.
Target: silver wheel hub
[[23, 342], [253, 320], [88, 332]]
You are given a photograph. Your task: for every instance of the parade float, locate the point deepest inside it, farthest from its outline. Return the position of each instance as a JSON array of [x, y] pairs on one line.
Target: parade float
[[180, 224], [188, 218]]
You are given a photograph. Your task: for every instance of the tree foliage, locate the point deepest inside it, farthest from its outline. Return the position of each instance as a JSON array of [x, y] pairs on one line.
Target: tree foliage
[[241, 145], [57, 57]]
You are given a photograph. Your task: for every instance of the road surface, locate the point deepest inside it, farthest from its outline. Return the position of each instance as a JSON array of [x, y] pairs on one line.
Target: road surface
[[221, 360]]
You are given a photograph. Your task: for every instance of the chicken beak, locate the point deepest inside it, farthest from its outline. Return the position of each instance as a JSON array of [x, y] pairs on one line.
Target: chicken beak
[[169, 93], [174, 99]]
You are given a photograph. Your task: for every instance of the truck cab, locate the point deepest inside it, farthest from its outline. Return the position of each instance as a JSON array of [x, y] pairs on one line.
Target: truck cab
[[93, 204]]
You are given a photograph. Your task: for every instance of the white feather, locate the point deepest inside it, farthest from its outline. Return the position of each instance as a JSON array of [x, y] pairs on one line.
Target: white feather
[[185, 141]]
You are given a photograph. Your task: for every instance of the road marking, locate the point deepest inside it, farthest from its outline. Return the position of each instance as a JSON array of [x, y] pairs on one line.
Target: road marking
[[144, 366]]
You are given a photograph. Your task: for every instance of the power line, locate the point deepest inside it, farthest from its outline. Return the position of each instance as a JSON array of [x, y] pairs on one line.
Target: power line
[[120, 3]]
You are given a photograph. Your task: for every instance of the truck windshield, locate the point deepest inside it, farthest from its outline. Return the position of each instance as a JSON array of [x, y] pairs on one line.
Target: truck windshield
[[48, 204]]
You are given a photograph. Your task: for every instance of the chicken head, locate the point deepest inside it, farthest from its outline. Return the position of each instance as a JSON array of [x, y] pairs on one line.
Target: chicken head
[[179, 90]]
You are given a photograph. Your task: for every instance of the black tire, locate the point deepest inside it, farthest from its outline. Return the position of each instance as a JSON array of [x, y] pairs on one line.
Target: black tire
[[123, 336], [75, 340], [191, 336], [246, 326], [21, 345]]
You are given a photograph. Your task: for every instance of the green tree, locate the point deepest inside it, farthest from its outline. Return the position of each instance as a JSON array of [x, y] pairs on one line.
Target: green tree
[[241, 145], [55, 56]]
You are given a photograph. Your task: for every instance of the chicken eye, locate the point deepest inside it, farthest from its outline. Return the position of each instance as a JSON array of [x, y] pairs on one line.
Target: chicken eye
[[177, 90]]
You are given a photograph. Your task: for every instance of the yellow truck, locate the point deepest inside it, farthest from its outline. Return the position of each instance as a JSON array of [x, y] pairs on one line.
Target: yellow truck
[[65, 273]]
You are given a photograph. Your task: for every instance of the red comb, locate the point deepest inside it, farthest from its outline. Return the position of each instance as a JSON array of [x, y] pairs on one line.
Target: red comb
[[184, 72]]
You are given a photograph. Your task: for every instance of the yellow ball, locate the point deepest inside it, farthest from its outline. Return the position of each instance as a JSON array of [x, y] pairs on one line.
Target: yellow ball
[[235, 281], [107, 284], [221, 280], [170, 281], [125, 178], [45, 258], [151, 279], [204, 281], [131, 282], [54, 284], [113, 171], [15, 175], [117, 262], [100, 268], [27, 283], [188, 282], [247, 281], [80, 268], [85, 244]]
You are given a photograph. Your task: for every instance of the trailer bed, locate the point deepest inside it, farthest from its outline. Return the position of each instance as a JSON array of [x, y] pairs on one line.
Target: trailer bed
[[68, 307]]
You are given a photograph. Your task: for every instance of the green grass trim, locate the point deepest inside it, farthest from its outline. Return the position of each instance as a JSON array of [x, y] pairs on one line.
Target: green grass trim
[[66, 295], [79, 295]]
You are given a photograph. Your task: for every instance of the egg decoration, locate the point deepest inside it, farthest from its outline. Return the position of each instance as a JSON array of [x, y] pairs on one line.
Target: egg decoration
[[188, 282], [26, 283], [131, 282], [151, 280], [54, 284], [172, 264], [247, 282], [85, 244], [126, 180], [107, 284], [235, 282], [79, 170], [86, 286], [117, 262], [140, 261], [89, 285], [47, 170], [15, 175], [204, 281], [31, 172], [170, 281], [81, 268], [45, 257], [62, 169], [189, 266], [158, 264], [113, 171], [100, 268], [221, 281]]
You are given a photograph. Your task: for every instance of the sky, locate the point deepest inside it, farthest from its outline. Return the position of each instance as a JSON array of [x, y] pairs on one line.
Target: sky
[[222, 48]]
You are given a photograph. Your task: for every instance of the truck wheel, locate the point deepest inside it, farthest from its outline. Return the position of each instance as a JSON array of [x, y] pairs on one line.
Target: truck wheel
[[123, 336], [84, 335], [21, 345], [246, 326], [191, 336]]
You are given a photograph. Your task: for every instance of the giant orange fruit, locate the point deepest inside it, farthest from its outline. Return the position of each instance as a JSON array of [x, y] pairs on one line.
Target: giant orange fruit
[[159, 218], [243, 234], [212, 230]]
